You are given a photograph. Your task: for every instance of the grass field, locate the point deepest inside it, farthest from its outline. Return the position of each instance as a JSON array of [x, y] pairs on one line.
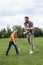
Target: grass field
[[24, 58]]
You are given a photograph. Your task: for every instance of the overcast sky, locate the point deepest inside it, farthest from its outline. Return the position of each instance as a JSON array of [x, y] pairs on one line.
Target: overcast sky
[[13, 12]]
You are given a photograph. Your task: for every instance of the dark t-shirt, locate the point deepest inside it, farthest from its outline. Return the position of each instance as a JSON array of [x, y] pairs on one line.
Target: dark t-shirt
[[28, 25]]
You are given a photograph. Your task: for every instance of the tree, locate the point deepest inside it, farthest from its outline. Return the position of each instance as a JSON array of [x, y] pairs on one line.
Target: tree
[[37, 32], [8, 31], [0, 34]]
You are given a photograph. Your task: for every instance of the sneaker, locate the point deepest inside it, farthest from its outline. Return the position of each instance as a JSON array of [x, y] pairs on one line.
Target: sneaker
[[31, 52]]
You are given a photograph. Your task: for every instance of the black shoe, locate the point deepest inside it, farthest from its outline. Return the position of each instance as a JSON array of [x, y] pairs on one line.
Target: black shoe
[[17, 53], [6, 54]]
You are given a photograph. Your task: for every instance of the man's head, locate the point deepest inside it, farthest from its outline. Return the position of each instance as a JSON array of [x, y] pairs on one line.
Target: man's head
[[26, 18]]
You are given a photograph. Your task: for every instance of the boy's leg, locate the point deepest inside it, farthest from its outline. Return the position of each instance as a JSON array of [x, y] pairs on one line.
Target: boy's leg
[[9, 46], [16, 48]]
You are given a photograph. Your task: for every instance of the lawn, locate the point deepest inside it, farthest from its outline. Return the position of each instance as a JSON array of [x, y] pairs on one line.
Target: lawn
[[24, 58]]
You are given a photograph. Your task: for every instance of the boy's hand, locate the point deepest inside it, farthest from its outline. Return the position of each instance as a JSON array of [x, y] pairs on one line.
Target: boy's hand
[[14, 42]]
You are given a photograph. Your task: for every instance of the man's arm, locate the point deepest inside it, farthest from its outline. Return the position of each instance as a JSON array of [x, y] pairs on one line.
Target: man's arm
[[25, 32], [30, 28]]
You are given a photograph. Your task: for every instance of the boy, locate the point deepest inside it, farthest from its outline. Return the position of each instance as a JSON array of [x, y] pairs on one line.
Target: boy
[[12, 41]]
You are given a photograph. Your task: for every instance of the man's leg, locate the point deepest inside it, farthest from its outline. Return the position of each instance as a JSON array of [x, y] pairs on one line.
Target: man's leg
[[31, 43], [30, 40], [9, 46], [16, 48]]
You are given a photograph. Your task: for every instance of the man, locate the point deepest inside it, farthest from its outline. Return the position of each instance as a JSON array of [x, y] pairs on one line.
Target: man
[[29, 31], [12, 41]]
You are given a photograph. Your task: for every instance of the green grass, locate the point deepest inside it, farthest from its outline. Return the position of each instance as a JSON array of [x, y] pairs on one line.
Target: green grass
[[24, 58]]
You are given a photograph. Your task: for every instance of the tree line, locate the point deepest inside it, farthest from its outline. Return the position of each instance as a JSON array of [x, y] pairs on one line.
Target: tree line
[[5, 33]]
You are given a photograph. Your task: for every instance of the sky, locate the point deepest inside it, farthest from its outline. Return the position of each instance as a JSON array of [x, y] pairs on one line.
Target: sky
[[12, 12]]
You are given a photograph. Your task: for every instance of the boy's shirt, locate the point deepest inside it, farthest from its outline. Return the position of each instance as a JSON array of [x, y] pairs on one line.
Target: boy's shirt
[[13, 37]]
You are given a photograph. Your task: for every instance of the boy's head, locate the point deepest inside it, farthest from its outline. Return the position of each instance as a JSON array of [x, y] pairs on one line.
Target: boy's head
[[15, 30]]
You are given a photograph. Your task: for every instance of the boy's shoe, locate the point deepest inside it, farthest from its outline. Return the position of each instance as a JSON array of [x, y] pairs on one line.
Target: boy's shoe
[[6, 54]]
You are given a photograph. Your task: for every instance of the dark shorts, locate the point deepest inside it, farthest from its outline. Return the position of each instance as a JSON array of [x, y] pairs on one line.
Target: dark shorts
[[11, 42]]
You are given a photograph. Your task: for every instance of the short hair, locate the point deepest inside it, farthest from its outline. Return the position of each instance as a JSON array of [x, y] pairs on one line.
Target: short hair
[[27, 17], [14, 29]]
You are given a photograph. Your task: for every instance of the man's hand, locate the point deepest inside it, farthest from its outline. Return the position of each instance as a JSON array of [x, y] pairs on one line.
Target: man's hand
[[25, 32]]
